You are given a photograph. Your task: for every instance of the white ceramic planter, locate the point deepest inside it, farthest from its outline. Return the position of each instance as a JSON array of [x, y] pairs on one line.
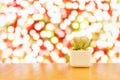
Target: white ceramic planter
[[80, 58]]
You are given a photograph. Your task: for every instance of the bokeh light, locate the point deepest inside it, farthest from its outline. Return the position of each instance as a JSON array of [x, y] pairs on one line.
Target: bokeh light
[[39, 31]]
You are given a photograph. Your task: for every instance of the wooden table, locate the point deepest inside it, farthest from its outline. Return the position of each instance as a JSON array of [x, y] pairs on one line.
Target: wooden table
[[52, 71]]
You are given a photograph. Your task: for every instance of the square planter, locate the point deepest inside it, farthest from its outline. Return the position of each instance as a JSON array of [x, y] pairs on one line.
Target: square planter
[[80, 58]]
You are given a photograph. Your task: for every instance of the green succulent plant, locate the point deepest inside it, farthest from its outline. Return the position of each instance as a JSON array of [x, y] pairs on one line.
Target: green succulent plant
[[80, 42]]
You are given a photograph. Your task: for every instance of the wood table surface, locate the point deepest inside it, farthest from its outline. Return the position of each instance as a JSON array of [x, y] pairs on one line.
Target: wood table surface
[[59, 71]]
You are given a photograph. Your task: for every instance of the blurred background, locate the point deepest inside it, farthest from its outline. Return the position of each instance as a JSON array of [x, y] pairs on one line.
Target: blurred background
[[39, 31]]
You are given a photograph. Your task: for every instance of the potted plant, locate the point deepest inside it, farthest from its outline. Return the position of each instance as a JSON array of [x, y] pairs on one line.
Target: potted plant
[[80, 55]]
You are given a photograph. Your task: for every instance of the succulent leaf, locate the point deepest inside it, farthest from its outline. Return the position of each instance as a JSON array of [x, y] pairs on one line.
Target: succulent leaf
[[80, 42]]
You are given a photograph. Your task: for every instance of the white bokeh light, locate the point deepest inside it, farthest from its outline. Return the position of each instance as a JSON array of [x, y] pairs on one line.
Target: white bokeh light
[[36, 36], [8, 60], [3, 35], [40, 59], [54, 40], [10, 36], [39, 26], [50, 26], [37, 16], [3, 45], [15, 60], [30, 21], [59, 46], [68, 5], [75, 5], [54, 55], [10, 29], [39, 42]]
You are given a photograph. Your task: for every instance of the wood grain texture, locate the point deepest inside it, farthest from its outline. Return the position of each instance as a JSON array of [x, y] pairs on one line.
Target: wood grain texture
[[54, 71]]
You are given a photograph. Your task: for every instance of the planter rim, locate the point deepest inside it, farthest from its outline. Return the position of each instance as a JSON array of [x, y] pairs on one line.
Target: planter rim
[[82, 50]]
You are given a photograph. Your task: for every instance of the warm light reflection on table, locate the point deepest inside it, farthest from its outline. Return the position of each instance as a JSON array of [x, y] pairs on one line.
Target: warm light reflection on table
[[51, 71]]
